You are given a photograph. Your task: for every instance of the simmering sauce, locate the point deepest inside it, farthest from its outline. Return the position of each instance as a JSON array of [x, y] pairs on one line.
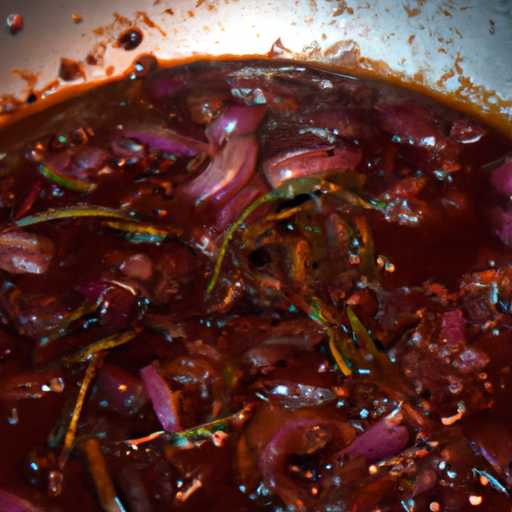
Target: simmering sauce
[[254, 286]]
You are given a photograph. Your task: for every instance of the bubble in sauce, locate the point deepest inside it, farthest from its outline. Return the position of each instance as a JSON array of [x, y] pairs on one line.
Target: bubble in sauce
[[144, 65]]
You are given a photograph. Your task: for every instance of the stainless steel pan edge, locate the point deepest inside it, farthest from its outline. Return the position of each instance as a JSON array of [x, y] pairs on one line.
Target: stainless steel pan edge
[[450, 46]]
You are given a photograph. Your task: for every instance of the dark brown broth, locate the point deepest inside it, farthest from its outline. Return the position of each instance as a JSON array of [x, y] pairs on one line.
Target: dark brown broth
[[448, 243]]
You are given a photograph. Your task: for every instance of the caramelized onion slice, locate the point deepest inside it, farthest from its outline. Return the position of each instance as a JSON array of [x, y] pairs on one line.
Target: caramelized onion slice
[[501, 178], [300, 437], [25, 253], [501, 221], [230, 212], [229, 170], [158, 137], [11, 503], [121, 391], [101, 477], [164, 403], [383, 440], [410, 124], [234, 162], [310, 162], [236, 120]]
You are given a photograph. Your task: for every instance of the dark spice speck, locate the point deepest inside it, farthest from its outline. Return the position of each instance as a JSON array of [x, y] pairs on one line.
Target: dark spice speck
[[69, 70], [130, 39]]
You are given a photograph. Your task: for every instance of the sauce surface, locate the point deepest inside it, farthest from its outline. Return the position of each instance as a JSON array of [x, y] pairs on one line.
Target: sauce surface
[[254, 285]]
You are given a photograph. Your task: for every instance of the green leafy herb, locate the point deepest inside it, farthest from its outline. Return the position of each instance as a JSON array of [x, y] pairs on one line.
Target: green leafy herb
[[141, 232], [255, 231], [73, 424], [367, 248], [363, 336], [72, 212], [199, 434], [104, 344], [67, 322], [339, 355], [289, 190], [379, 363], [69, 182], [101, 477], [337, 344], [60, 428]]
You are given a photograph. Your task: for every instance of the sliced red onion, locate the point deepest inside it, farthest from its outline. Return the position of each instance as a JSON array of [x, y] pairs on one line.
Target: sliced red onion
[[232, 210], [229, 170], [167, 140], [43, 317], [199, 348], [298, 437], [427, 479], [236, 120], [161, 86], [134, 491], [29, 200], [501, 178], [234, 162], [351, 122], [60, 162], [25, 253], [138, 266], [117, 302], [78, 163], [464, 131], [205, 101], [162, 398], [91, 158], [501, 221], [410, 124], [404, 188], [119, 308], [383, 440], [168, 83], [118, 390], [11, 503], [93, 290], [268, 354], [310, 162], [124, 147]]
